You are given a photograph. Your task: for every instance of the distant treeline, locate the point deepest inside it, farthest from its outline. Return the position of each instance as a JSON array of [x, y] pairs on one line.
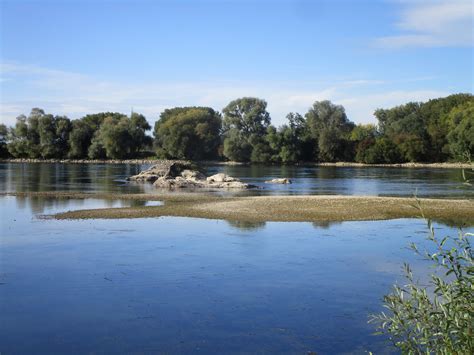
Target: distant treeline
[[436, 131]]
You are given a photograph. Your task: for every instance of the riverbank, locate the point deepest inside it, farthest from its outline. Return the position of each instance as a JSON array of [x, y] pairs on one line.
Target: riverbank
[[271, 208], [216, 162]]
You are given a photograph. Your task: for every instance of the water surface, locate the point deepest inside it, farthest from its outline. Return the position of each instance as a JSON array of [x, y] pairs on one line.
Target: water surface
[[184, 285]]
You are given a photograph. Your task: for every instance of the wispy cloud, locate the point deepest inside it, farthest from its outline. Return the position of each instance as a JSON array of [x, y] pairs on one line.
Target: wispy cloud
[[75, 94], [434, 23]]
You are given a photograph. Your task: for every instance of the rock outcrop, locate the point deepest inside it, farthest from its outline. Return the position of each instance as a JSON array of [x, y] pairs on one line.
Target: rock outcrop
[[279, 181], [184, 174]]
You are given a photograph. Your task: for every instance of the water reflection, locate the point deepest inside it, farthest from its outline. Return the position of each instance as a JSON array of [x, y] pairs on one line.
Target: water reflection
[[246, 226], [324, 224], [110, 178], [45, 205]]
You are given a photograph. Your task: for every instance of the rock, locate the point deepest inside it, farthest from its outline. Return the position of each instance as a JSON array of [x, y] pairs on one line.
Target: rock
[[183, 174], [193, 175], [164, 168], [279, 181], [220, 178]]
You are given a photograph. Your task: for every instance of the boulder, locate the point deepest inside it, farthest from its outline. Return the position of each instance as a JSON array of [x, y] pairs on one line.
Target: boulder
[[164, 168], [220, 178], [279, 181], [183, 174]]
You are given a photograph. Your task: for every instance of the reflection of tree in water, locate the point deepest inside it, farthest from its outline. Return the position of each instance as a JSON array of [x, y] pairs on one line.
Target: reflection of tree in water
[[246, 225], [324, 224]]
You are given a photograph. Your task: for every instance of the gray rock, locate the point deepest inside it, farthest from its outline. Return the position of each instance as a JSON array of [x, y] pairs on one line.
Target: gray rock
[[279, 181], [183, 174], [220, 178], [164, 168]]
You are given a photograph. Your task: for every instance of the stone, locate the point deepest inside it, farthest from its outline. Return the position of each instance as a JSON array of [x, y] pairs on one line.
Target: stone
[[279, 181], [163, 168], [221, 178], [182, 174]]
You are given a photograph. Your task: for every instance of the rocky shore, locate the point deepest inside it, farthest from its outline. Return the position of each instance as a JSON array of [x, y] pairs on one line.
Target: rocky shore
[[178, 174]]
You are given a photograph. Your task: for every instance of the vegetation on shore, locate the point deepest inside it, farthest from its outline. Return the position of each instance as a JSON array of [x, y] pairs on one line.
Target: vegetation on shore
[[438, 317], [270, 208], [439, 130]]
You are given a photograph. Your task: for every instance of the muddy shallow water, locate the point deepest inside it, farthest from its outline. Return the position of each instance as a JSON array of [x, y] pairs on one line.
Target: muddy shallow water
[[186, 285]]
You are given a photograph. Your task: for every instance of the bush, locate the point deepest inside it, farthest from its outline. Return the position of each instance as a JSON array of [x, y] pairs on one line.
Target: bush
[[438, 318]]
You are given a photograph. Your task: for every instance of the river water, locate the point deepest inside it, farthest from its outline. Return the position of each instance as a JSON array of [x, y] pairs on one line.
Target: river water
[[185, 285]]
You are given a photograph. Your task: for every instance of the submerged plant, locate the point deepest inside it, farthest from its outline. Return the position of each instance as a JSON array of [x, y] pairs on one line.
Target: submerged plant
[[437, 318]]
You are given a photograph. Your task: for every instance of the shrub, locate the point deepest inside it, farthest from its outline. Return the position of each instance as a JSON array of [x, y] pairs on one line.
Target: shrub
[[438, 318]]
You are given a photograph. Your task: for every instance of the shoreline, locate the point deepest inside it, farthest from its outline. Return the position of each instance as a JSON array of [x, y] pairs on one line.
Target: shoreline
[[302, 208], [445, 165]]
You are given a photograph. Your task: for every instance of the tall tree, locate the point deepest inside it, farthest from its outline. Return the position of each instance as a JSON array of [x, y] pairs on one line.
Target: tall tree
[[245, 123], [330, 128], [188, 133], [461, 135], [3, 141]]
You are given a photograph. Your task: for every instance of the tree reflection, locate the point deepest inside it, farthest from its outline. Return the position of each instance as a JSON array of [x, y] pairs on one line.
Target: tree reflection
[[246, 225]]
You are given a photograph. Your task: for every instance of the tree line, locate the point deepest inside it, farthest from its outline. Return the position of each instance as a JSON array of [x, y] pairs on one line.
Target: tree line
[[435, 131]]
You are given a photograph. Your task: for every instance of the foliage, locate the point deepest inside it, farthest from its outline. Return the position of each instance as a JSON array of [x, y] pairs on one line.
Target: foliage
[[461, 135], [421, 130], [85, 138], [435, 131], [39, 136], [330, 128], [245, 124], [188, 133], [438, 319], [120, 137], [290, 142], [236, 146], [3, 141]]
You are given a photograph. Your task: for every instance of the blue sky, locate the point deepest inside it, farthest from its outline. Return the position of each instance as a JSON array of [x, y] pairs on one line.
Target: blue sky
[[78, 57]]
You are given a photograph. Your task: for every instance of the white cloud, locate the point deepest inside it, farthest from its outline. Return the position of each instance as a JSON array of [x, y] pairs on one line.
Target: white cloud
[[74, 94], [363, 106], [435, 23]]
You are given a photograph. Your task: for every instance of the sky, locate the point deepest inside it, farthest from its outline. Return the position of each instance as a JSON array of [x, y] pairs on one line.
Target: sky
[[77, 57]]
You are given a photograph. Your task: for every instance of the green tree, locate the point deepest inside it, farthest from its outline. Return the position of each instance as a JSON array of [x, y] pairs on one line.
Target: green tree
[[83, 135], [53, 134], [236, 146], [188, 133], [25, 138], [119, 137], [290, 142], [330, 128], [3, 141], [461, 131], [245, 123], [435, 115]]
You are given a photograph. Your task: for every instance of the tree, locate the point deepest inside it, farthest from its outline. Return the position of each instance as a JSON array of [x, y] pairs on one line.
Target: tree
[[330, 128], [188, 133], [461, 135], [435, 115], [83, 135], [236, 146], [3, 141], [245, 123], [53, 134], [25, 139], [119, 137], [290, 142]]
